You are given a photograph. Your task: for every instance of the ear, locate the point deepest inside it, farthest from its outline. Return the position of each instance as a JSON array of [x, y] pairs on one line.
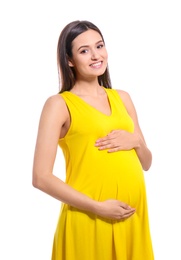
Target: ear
[[70, 63]]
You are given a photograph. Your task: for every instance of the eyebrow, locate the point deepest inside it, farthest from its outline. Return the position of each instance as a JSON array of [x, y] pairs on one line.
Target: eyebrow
[[85, 46]]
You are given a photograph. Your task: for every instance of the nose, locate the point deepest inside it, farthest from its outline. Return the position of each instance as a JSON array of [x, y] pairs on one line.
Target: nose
[[94, 54]]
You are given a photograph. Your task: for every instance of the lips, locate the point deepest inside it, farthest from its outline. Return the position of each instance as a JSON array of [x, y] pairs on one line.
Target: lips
[[96, 65]]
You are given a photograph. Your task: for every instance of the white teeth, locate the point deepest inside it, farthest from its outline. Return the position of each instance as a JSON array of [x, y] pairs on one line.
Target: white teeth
[[96, 64]]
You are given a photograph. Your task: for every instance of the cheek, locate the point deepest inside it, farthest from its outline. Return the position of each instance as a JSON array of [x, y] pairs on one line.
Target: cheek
[[105, 54], [106, 57], [80, 61]]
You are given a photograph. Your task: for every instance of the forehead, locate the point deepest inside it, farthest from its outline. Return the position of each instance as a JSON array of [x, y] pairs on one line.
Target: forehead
[[86, 38]]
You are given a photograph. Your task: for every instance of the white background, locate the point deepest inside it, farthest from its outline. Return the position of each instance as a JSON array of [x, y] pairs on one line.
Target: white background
[[143, 42]]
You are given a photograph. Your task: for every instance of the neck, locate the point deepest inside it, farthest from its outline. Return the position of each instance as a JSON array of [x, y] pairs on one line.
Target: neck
[[85, 88]]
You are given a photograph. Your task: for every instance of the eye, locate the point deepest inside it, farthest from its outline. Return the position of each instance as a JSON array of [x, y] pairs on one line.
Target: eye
[[100, 46], [84, 51]]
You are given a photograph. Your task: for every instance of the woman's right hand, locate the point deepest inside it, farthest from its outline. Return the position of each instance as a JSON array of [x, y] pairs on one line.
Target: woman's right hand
[[114, 209]]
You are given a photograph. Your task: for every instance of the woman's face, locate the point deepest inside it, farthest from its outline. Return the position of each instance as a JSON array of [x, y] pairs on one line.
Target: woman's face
[[89, 55]]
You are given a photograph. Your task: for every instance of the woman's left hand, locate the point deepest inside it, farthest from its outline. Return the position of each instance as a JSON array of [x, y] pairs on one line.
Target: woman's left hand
[[116, 140]]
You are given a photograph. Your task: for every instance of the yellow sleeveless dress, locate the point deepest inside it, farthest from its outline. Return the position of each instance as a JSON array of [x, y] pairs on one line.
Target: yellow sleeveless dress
[[101, 176]]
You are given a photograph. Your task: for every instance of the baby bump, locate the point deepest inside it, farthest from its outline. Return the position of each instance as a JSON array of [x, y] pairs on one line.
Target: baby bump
[[126, 185], [115, 176], [119, 176]]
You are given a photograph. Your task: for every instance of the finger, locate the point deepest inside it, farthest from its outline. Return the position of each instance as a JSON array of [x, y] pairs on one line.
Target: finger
[[110, 147], [126, 206], [100, 140], [127, 211], [108, 144], [105, 145], [132, 211], [106, 138], [112, 133], [116, 149], [127, 215], [105, 142]]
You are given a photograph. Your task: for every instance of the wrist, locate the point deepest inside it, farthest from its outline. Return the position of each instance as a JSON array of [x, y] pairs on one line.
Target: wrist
[[137, 141], [96, 207]]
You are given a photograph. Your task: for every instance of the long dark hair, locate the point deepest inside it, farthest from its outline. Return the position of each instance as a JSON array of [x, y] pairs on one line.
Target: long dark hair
[[67, 75]]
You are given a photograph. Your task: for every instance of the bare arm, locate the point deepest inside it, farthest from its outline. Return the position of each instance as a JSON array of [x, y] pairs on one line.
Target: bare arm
[[51, 127], [123, 140], [54, 123]]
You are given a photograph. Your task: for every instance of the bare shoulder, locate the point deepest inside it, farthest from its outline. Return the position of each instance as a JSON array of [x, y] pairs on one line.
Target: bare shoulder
[[124, 95], [55, 102], [126, 98], [56, 106]]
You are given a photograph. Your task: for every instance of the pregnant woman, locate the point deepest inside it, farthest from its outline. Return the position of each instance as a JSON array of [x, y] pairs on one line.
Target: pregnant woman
[[103, 213]]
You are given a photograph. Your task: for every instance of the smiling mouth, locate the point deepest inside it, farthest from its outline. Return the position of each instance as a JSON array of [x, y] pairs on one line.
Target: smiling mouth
[[96, 65]]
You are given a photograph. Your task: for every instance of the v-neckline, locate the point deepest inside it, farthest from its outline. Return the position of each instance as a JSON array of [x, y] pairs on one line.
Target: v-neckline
[[108, 99]]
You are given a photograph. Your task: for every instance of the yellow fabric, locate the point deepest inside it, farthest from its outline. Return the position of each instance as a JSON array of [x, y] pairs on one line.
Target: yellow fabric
[[101, 175]]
